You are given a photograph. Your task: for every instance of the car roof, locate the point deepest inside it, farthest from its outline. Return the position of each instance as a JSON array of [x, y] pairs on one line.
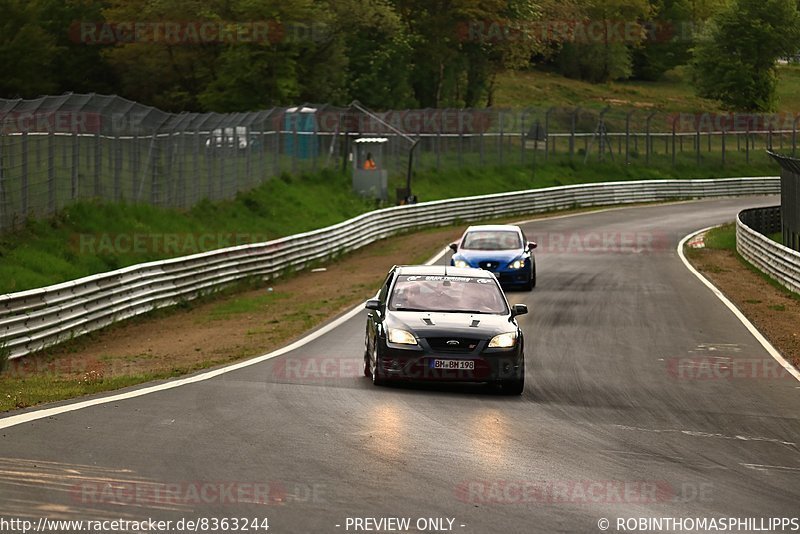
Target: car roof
[[494, 227], [439, 270]]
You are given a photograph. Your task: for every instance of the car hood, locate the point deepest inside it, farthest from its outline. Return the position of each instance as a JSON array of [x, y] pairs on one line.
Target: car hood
[[434, 324], [501, 256]]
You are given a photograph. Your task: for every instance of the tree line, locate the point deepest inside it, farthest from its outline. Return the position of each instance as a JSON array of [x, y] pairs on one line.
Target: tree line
[[238, 55]]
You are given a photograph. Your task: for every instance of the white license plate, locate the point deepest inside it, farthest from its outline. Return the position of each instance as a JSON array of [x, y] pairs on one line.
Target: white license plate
[[456, 365]]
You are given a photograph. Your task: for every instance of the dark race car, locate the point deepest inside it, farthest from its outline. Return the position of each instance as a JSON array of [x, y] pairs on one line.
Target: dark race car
[[448, 324], [500, 248]]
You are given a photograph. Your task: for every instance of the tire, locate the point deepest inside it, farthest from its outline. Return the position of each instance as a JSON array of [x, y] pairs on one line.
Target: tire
[[367, 371], [378, 378], [531, 283], [515, 386]]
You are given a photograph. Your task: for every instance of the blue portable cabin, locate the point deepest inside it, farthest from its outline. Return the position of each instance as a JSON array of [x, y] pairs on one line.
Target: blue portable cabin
[[299, 132]]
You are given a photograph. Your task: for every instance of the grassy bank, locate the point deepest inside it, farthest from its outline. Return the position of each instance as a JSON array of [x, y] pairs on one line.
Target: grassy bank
[[88, 238], [542, 89]]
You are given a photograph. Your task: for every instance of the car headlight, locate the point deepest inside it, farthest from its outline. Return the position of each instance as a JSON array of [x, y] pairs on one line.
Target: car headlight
[[402, 337], [517, 264], [504, 341], [460, 263]]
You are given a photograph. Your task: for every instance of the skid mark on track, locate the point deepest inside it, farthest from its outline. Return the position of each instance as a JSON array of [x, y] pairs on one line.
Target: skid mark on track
[[760, 467], [700, 434]]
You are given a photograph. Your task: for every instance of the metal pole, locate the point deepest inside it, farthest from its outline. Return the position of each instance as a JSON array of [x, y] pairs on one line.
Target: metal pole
[[117, 168], [573, 124], [51, 173], [439, 144], [747, 143], [98, 166], [522, 140], [697, 143], [628, 135], [24, 185], [76, 157], [501, 138], [154, 155], [723, 145], [673, 142], [647, 140], [547, 132], [3, 207], [195, 166]]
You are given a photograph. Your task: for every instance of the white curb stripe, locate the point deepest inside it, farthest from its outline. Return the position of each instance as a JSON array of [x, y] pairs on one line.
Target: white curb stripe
[[731, 306]]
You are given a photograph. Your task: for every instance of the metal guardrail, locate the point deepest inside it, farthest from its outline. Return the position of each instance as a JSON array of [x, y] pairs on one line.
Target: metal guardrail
[[772, 258], [34, 319]]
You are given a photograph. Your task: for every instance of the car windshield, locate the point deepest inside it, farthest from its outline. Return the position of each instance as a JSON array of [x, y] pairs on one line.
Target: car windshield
[[491, 240], [458, 294]]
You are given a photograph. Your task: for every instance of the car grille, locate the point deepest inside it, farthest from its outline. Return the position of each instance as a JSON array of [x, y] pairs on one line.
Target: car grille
[[445, 344], [489, 265]]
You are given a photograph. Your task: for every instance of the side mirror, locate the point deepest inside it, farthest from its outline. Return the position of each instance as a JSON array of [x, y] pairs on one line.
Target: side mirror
[[518, 309], [454, 247], [532, 245], [373, 304]]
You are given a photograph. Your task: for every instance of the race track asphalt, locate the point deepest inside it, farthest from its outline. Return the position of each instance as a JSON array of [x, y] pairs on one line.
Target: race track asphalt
[[645, 397]]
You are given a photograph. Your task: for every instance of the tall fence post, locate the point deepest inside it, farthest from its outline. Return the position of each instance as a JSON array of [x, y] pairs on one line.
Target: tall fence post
[[294, 145], [439, 141], [573, 125], [480, 146], [500, 152], [697, 144], [628, 136], [522, 139], [76, 159], [23, 193], [117, 168], [3, 198], [747, 143], [673, 142], [461, 137], [98, 166], [51, 172], [276, 153], [723, 145], [154, 156], [195, 166]]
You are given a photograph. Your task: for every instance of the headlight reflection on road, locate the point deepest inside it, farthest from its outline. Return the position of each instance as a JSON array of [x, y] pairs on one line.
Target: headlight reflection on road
[[388, 432], [488, 437]]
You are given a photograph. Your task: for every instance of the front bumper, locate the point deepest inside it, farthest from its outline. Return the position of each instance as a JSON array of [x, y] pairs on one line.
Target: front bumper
[[513, 278], [417, 364]]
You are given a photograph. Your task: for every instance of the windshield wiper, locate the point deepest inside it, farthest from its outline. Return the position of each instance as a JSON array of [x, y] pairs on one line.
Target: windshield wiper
[[460, 311], [403, 308]]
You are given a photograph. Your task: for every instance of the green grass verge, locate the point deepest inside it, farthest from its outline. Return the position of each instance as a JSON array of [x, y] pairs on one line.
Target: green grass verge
[[724, 238], [92, 237]]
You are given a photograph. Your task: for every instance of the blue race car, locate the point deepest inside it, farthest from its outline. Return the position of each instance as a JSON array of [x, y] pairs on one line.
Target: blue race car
[[501, 249]]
